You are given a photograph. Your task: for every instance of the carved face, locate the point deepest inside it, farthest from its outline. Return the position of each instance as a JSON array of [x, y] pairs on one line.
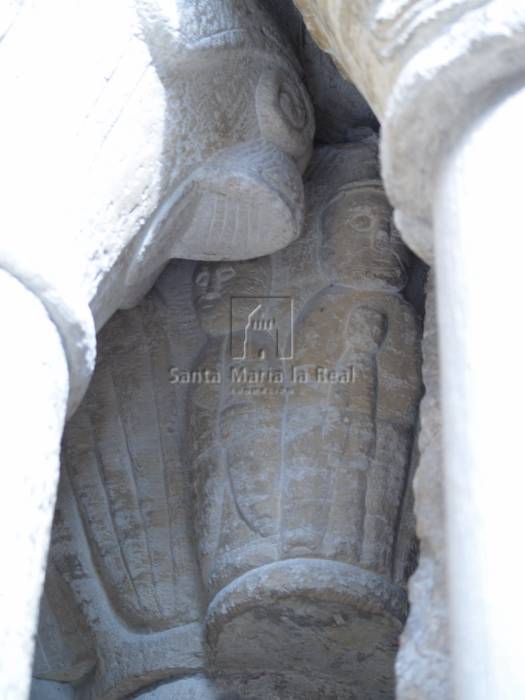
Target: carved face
[[216, 283], [238, 130], [252, 89], [361, 247], [231, 104], [247, 142]]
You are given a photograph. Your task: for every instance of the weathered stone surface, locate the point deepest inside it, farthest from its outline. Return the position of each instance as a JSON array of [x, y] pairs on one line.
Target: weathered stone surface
[[161, 144], [122, 534], [34, 389], [198, 688], [48, 690], [348, 315], [190, 121], [331, 624], [423, 664], [427, 69], [283, 468], [342, 114], [292, 492], [142, 132], [122, 459], [65, 649], [236, 130]]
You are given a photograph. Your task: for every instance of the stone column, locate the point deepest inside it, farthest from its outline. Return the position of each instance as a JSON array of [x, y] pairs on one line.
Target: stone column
[[478, 216], [429, 70], [34, 393], [423, 663]]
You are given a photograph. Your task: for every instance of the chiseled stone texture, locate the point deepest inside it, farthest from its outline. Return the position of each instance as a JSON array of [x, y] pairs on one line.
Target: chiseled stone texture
[[255, 529], [168, 139], [161, 129], [48, 690], [198, 688], [305, 473], [423, 663], [427, 69], [65, 649], [190, 121], [230, 136], [122, 536], [342, 115], [348, 313]]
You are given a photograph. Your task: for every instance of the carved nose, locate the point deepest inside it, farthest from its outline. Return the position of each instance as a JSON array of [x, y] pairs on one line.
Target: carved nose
[[380, 239], [215, 287]]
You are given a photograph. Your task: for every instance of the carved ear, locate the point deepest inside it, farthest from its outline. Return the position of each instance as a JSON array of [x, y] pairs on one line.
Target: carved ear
[[285, 114]]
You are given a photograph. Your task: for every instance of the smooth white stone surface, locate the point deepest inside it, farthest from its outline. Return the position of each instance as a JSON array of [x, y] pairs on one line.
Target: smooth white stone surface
[[34, 391], [480, 247]]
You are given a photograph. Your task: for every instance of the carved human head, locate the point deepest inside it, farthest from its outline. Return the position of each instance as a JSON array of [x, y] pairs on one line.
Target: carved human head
[[360, 245], [215, 284]]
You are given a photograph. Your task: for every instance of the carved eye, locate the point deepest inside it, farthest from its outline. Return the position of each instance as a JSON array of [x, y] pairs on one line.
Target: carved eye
[[292, 107], [362, 222], [284, 112], [226, 273], [203, 278]]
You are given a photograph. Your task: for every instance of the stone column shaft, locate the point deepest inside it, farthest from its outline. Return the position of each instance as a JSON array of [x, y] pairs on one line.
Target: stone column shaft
[[478, 210], [34, 387]]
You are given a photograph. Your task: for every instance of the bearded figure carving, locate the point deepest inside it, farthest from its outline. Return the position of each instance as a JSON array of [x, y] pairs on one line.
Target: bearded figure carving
[[359, 339], [300, 492], [234, 486]]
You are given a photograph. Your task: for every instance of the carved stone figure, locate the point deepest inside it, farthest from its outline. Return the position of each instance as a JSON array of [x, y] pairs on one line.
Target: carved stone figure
[[65, 650], [299, 492], [122, 537], [234, 427], [164, 130], [352, 428], [233, 485], [236, 144]]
